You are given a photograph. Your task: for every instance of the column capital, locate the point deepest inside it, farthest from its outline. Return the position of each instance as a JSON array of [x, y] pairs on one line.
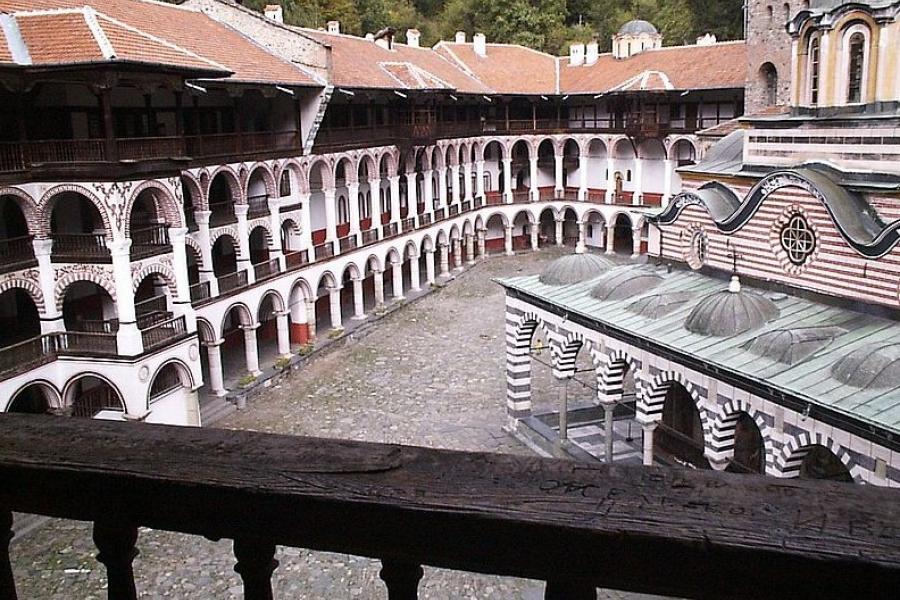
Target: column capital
[[202, 216], [283, 313], [119, 247], [213, 343], [275, 203], [249, 328], [177, 234], [42, 246], [240, 210]]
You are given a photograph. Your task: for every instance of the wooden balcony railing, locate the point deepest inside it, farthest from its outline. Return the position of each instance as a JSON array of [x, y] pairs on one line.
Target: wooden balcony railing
[[478, 201], [150, 240], [91, 402], [232, 281], [575, 525], [32, 353], [200, 291], [266, 270], [80, 247], [467, 205], [161, 333], [369, 236], [151, 311], [390, 230], [424, 220], [323, 251], [408, 224], [296, 258], [348, 243], [221, 213], [16, 253], [453, 209], [440, 214], [258, 205]]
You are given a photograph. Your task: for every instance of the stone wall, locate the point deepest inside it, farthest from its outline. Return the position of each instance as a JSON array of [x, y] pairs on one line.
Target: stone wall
[[768, 42]]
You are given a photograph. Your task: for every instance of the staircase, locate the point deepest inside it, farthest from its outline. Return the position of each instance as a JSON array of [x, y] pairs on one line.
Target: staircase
[[317, 122], [214, 409]]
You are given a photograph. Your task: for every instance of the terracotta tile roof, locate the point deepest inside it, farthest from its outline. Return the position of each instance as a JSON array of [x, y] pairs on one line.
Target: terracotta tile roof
[[173, 28], [361, 63], [715, 66], [505, 68], [59, 39]]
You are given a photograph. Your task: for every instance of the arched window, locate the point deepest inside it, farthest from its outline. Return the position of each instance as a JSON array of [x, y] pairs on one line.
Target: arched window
[[343, 210], [284, 187], [856, 66], [768, 76], [814, 71]]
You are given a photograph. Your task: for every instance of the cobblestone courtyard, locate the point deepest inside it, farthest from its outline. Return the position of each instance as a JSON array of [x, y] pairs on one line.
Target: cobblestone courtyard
[[430, 374]]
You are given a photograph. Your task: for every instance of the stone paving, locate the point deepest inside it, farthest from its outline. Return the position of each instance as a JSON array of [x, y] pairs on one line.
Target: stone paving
[[430, 374]]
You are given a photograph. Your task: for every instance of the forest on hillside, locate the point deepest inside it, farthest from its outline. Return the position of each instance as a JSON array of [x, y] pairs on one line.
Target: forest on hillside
[[549, 25]]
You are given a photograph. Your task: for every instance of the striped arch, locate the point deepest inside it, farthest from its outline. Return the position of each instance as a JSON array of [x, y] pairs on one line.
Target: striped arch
[[206, 332], [234, 182], [198, 195], [155, 269], [721, 448], [266, 226], [101, 278], [48, 201], [299, 180], [787, 462], [245, 317], [165, 203], [218, 232], [27, 205], [519, 334], [194, 245], [29, 287], [565, 354], [611, 377], [650, 403]]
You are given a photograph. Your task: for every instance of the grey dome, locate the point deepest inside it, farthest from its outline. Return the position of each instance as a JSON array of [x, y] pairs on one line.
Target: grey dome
[[730, 312], [637, 27], [790, 346], [659, 305], [625, 283], [866, 367], [574, 268]]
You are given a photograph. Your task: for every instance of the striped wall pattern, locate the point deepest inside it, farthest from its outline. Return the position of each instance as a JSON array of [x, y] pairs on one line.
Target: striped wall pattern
[[785, 445], [564, 355], [835, 268], [720, 449]]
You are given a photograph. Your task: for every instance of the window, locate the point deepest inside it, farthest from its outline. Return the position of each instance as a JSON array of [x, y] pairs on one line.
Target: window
[[343, 210], [814, 71], [284, 186], [798, 239], [768, 76], [856, 64], [698, 250]]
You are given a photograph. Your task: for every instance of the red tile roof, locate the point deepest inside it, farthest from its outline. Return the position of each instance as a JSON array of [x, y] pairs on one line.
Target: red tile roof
[[505, 68], [716, 66], [145, 29]]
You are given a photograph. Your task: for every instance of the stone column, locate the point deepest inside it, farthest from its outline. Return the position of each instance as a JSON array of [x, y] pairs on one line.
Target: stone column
[[414, 285], [470, 250], [284, 337], [508, 240], [534, 231], [582, 178], [299, 323], [51, 319], [359, 307], [311, 318], [216, 378], [482, 254], [442, 186], [581, 246], [374, 203], [397, 279], [353, 205], [608, 431], [454, 183], [251, 353], [479, 178], [559, 232], [638, 196], [445, 260], [129, 336], [378, 279], [334, 305], [395, 199], [331, 219], [649, 428], [205, 267], [467, 180], [667, 181], [559, 185], [412, 197], [181, 303], [533, 175], [610, 180], [457, 254], [428, 192], [611, 238], [429, 267], [275, 252], [636, 242], [507, 180], [305, 223], [243, 250]]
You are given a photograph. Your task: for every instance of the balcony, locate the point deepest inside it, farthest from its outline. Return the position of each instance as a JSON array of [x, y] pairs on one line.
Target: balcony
[[296, 259], [390, 230], [577, 526], [369, 236], [16, 253], [80, 247], [232, 281], [258, 206], [31, 354], [221, 213], [348, 243], [200, 291], [161, 334], [266, 270], [150, 241], [323, 251], [408, 224]]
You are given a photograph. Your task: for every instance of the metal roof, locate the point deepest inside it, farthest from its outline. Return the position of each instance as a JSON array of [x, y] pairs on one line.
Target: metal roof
[[810, 378]]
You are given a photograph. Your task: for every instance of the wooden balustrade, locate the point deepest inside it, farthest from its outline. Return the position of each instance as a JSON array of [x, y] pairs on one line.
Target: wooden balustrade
[[258, 205], [80, 247], [453, 210], [95, 325], [267, 269], [478, 201], [348, 243], [148, 148], [390, 230], [16, 253], [32, 353], [221, 213], [408, 224], [521, 196], [161, 333], [575, 525], [323, 251], [440, 214], [89, 403], [297, 258], [466, 205], [150, 240], [424, 220], [232, 281], [200, 291], [369, 236]]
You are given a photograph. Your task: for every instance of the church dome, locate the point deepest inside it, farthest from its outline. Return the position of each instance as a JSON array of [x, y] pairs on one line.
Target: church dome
[[638, 27], [657, 306], [730, 312], [790, 346], [574, 268], [866, 367], [624, 283]]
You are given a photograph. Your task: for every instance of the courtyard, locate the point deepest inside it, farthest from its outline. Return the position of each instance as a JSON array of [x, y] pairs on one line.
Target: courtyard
[[430, 374]]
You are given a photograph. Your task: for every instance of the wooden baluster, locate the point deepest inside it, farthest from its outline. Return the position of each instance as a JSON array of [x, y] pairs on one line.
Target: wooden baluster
[[7, 583], [255, 564], [569, 590], [116, 551], [401, 579]]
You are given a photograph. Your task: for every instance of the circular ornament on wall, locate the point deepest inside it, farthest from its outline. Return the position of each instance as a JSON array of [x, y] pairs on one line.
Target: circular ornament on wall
[[794, 240]]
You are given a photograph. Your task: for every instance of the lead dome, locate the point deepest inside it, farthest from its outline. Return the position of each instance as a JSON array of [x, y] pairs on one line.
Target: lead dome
[[730, 312], [574, 268], [637, 27]]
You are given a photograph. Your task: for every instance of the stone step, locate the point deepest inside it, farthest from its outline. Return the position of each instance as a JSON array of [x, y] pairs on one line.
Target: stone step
[[214, 409]]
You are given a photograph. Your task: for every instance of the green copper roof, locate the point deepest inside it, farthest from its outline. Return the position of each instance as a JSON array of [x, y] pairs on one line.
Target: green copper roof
[[811, 338]]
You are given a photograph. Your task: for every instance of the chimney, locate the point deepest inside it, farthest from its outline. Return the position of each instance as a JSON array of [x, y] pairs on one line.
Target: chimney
[[385, 38], [479, 44], [706, 40], [412, 38], [592, 53], [333, 27], [370, 37], [460, 37], [274, 12], [576, 55]]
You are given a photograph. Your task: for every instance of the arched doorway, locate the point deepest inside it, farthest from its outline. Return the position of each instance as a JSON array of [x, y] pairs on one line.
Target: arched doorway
[[148, 231], [749, 447], [623, 235], [90, 396], [77, 229], [679, 436], [222, 198], [16, 249], [88, 307], [547, 235], [19, 317], [570, 228], [267, 332], [822, 463], [36, 399], [224, 259]]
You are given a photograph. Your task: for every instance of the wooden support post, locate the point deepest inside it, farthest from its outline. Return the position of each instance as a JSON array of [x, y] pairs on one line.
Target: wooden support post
[[401, 579], [7, 583], [255, 564], [117, 552]]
